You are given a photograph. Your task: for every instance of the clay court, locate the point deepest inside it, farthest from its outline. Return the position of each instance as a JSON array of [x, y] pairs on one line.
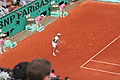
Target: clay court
[[90, 48]]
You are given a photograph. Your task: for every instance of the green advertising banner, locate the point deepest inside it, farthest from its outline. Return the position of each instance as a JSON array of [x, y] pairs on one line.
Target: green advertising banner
[[15, 21], [63, 1]]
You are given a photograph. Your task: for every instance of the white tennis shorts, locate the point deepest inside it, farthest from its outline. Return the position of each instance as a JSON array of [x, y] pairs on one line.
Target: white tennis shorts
[[54, 44]]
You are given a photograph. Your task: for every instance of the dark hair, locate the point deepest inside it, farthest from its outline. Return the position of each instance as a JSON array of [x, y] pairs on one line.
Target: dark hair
[[20, 70], [38, 69], [5, 70], [1, 69], [52, 71]]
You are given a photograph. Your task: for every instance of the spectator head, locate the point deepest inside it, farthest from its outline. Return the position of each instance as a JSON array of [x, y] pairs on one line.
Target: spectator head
[[52, 71], [5, 70], [1, 68], [58, 77], [39, 69], [20, 70], [66, 78]]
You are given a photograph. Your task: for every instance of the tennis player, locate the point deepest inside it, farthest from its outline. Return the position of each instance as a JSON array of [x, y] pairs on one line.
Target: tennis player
[[55, 44]]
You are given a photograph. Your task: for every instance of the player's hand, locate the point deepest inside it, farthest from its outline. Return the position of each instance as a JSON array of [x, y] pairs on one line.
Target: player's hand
[[60, 41]]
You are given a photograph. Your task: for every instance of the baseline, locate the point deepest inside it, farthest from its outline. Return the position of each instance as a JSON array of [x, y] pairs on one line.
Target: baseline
[[99, 70], [100, 51], [105, 62]]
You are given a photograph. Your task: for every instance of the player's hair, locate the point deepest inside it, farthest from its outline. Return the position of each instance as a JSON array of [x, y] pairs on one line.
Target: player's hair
[[58, 34]]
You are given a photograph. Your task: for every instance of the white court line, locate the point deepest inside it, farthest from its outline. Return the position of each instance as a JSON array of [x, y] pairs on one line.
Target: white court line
[[99, 70], [100, 51], [105, 62]]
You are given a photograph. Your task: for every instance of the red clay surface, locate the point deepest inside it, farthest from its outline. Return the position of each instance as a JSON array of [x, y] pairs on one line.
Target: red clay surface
[[88, 28], [105, 67], [113, 51]]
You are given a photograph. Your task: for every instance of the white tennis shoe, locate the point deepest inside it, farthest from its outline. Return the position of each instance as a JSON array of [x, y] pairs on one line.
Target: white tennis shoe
[[53, 54]]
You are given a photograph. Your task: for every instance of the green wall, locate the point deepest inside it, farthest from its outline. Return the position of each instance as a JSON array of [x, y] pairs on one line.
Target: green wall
[[58, 1], [15, 22]]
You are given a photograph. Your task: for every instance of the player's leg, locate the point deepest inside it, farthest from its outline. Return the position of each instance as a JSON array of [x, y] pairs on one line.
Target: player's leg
[[53, 49], [56, 50], [54, 53]]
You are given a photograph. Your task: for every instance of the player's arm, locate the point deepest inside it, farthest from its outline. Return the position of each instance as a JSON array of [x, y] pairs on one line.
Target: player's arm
[[59, 41]]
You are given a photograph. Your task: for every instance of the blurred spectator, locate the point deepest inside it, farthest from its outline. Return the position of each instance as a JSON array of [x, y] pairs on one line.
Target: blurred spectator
[[54, 78], [66, 78], [52, 74], [4, 74], [1, 69], [16, 2], [39, 69], [19, 71], [3, 11], [9, 6], [3, 2], [58, 77], [23, 2], [10, 72]]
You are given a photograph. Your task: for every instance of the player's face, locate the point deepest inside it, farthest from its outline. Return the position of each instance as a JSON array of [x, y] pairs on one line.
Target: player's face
[[58, 35]]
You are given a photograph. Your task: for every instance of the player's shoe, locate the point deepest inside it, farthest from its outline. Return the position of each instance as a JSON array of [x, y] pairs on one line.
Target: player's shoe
[[53, 54]]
